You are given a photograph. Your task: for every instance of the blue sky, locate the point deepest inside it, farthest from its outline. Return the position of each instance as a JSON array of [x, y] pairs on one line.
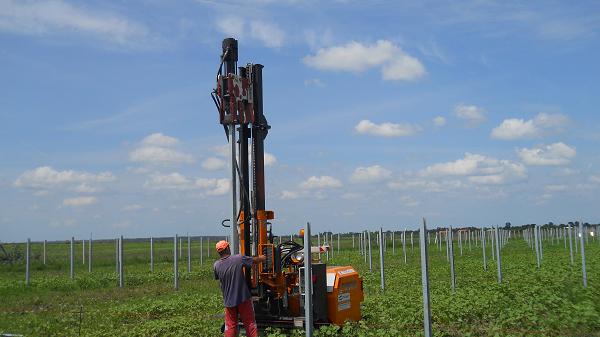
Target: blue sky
[[472, 112]]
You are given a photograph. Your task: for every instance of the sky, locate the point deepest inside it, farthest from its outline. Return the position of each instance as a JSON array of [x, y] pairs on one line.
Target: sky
[[382, 113]]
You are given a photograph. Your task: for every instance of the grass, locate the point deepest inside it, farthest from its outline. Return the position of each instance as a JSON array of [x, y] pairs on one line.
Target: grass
[[530, 302]]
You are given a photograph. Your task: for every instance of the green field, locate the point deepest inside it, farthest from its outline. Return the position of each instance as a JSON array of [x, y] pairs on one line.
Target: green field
[[530, 302]]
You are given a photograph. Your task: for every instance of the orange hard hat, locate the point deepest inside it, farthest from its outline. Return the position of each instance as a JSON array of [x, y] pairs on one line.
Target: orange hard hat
[[221, 245]]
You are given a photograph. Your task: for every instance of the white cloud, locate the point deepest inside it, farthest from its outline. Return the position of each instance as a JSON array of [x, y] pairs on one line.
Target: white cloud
[[159, 139], [408, 201], [288, 195], [479, 169], [270, 159], [222, 150], [213, 164], [556, 188], [171, 181], [365, 126], [85, 188], [268, 33], [39, 18], [541, 125], [321, 182], [474, 115], [214, 186], [79, 201], [46, 176], [357, 57], [159, 155], [132, 208], [370, 174], [439, 121], [550, 155], [595, 179]]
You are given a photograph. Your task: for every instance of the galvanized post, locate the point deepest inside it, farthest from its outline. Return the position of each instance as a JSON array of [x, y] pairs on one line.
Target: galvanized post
[[208, 247], [175, 263], [493, 245], [541, 246], [498, 256], [72, 258], [27, 262], [90, 251], [583, 269], [576, 230], [425, 281], [381, 259], [370, 257], [338, 239], [537, 250], [483, 248], [393, 244], [451, 244], [201, 252], [460, 241], [151, 254], [117, 256], [83, 251], [121, 262], [318, 244], [189, 254], [412, 243], [352, 240], [181, 247], [44, 258], [404, 245], [308, 304]]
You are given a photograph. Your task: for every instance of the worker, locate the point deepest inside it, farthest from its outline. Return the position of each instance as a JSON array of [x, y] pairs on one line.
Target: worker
[[236, 295]]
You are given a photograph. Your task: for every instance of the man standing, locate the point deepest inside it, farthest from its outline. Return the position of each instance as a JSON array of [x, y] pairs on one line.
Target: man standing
[[236, 295]]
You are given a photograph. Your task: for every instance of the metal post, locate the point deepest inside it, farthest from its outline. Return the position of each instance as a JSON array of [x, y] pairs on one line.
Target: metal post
[[175, 264], [318, 244], [459, 232], [583, 269], [393, 244], [117, 256], [201, 252], [412, 243], [27, 262], [208, 247], [425, 281], [338, 237], [72, 258], [121, 262], [404, 245], [151, 254], [308, 305], [483, 248], [189, 254], [82, 251], [90, 251], [451, 244], [381, 258], [44, 253], [570, 243], [537, 250], [352, 240], [365, 245], [370, 257], [498, 256]]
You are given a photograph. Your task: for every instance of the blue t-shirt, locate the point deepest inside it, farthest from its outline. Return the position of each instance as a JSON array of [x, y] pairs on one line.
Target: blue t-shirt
[[228, 270]]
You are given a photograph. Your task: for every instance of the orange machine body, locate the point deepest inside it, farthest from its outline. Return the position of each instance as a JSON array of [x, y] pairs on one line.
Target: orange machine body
[[344, 294]]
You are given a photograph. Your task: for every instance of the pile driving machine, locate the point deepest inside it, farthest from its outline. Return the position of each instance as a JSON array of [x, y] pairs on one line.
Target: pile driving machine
[[276, 284]]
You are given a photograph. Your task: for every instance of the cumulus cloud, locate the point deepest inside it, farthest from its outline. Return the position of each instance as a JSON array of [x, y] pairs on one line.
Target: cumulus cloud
[[46, 176], [157, 149], [321, 182], [551, 155], [270, 159], [268, 33], [370, 174], [541, 125], [79, 201], [42, 18], [474, 115], [214, 186], [479, 169], [357, 57], [170, 181], [159, 139], [288, 195], [367, 127], [439, 121], [213, 164], [159, 155]]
